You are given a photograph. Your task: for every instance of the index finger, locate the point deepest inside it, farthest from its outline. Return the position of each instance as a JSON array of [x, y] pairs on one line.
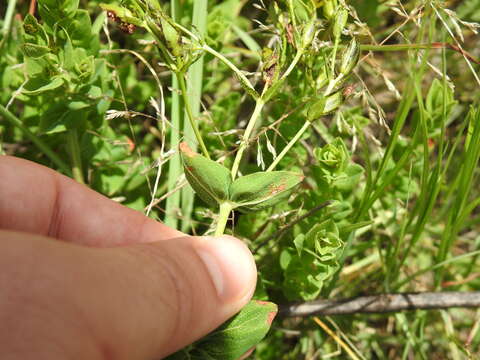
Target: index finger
[[38, 200]]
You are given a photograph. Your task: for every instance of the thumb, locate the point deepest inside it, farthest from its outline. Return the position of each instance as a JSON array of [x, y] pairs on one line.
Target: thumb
[[142, 301]]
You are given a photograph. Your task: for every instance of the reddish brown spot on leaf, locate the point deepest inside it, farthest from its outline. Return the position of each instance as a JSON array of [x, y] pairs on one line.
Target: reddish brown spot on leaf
[[275, 189], [261, 302], [185, 149], [270, 317]]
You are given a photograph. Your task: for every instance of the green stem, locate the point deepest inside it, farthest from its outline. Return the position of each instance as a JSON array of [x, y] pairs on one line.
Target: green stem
[[75, 156], [243, 79], [225, 209], [292, 142], [172, 204], [8, 16], [36, 140], [334, 56], [191, 119], [248, 132], [194, 82], [292, 65]]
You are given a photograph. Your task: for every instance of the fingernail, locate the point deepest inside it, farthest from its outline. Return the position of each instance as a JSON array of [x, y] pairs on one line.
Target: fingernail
[[230, 265]]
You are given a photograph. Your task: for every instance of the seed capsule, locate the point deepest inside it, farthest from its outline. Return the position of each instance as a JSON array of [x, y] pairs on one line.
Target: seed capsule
[[339, 23]]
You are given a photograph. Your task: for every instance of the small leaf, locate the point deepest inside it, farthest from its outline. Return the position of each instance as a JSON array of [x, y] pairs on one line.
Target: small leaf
[[52, 85], [298, 242], [234, 338], [34, 50], [209, 179], [263, 189]]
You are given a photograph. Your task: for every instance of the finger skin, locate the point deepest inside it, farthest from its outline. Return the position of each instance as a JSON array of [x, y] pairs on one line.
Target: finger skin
[[39, 200], [64, 301], [142, 300]]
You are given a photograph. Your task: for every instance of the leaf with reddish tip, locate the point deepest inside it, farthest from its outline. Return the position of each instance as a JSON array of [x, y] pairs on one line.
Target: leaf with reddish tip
[[209, 179], [235, 337], [261, 190]]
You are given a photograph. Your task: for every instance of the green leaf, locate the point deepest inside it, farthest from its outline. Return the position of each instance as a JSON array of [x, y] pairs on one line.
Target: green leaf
[[261, 190], [52, 85], [234, 338], [349, 179], [305, 276], [34, 50], [210, 180], [122, 13], [298, 242]]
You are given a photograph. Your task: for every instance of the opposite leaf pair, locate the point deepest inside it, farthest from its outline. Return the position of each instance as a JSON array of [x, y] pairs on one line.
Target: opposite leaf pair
[[213, 183]]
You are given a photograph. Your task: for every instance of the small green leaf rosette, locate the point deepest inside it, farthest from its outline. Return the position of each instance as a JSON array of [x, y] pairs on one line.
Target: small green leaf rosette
[[313, 263], [334, 157], [235, 337], [213, 184], [335, 168]]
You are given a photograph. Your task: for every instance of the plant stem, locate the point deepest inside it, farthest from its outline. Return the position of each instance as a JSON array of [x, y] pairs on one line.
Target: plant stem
[[292, 142], [248, 132], [75, 156], [194, 82], [7, 21], [243, 79], [225, 209], [193, 123], [172, 204], [36, 140], [292, 65]]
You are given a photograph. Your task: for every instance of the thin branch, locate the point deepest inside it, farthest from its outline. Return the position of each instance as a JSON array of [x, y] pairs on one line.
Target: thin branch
[[383, 304]]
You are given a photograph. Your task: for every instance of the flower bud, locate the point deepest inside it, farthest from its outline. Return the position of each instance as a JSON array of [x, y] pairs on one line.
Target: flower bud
[[350, 57], [340, 22], [329, 8], [172, 37], [308, 34]]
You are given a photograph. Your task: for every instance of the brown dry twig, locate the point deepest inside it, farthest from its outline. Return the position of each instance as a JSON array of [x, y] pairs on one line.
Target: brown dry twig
[[383, 304]]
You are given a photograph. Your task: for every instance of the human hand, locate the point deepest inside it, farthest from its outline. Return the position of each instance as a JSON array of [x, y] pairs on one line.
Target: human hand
[[83, 277]]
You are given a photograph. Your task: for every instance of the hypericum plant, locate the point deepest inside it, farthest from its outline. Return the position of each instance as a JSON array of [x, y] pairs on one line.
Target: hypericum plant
[[299, 31]]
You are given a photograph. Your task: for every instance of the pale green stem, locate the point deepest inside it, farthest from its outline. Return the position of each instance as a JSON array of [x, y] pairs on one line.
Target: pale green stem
[[194, 89], [75, 155], [292, 142], [8, 16], [36, 140], [175, 167], [224, 213], [227, 62], [399, 47], [191, 119], [334, 55], [294, 62], [248, 132]]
